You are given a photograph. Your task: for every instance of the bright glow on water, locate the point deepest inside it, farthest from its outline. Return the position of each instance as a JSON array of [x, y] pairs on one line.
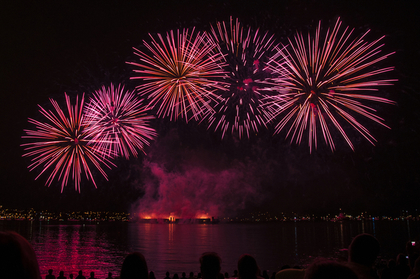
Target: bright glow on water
[[177, 247]]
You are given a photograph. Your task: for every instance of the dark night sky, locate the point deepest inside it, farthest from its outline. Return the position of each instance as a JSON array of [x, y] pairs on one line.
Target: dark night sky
[[52, 47]]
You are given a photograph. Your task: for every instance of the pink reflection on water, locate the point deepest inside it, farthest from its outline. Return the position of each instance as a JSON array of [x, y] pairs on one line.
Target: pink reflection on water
[[71, 248], [177, 247]]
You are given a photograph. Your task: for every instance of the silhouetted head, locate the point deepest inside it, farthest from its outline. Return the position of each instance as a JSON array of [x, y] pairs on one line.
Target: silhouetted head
[[134, 266], [416, 267], [80, 272], [210, 265], [50, 271], [328, 269], [364, 250], [17, 257], [61, 273], [247, 267]]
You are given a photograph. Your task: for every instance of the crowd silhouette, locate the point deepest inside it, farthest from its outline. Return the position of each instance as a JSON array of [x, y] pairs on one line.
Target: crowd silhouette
[[18, 261]]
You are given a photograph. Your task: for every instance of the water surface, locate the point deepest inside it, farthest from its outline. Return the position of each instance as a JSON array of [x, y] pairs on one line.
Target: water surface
[[101, 247]]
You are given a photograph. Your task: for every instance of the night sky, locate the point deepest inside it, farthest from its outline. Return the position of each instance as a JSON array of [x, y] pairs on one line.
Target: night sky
[[52, 47]]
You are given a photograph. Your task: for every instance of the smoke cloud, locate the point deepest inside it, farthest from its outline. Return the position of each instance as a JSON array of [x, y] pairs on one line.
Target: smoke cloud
[[195, 192], [194, 182]]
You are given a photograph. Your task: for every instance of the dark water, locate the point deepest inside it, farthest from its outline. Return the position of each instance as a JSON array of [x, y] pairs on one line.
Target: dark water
[[176, 247]]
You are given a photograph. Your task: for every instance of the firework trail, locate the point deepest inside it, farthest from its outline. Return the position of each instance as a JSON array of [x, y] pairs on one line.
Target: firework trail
[[118, 121], [63, 146], [329, 80], [245, 54], [178, 74]]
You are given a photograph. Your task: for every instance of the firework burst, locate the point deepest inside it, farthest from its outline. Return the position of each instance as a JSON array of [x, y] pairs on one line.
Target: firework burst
[[118, 121], [328, 80], [178, 74], [63, 146], [245, 52]]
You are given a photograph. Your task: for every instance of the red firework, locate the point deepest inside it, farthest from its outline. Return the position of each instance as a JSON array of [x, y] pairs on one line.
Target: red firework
[[178, 74], [119, 121], [326, 80], [62, 144]]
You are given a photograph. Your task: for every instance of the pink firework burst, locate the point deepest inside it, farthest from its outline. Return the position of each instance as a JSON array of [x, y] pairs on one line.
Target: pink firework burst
[[62, 144], [245, 52], [119, 121], [328, 80], [177, 74]]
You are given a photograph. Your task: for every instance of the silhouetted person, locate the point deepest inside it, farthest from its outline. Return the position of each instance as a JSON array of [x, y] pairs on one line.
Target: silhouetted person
[[134, 266], [152, 275], [402, 270], [191, 275], [183, 276], [17, 257], [71, 276], [61, 275], [175, 276], [80, 276], [286, 271], [247, 267], [415, 274], [50, 274], [167, 275], [92, 275], [109, 275], [210, 265], [235, 273], [328, 269], [413, 251], [363, 251], [226, 275]]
